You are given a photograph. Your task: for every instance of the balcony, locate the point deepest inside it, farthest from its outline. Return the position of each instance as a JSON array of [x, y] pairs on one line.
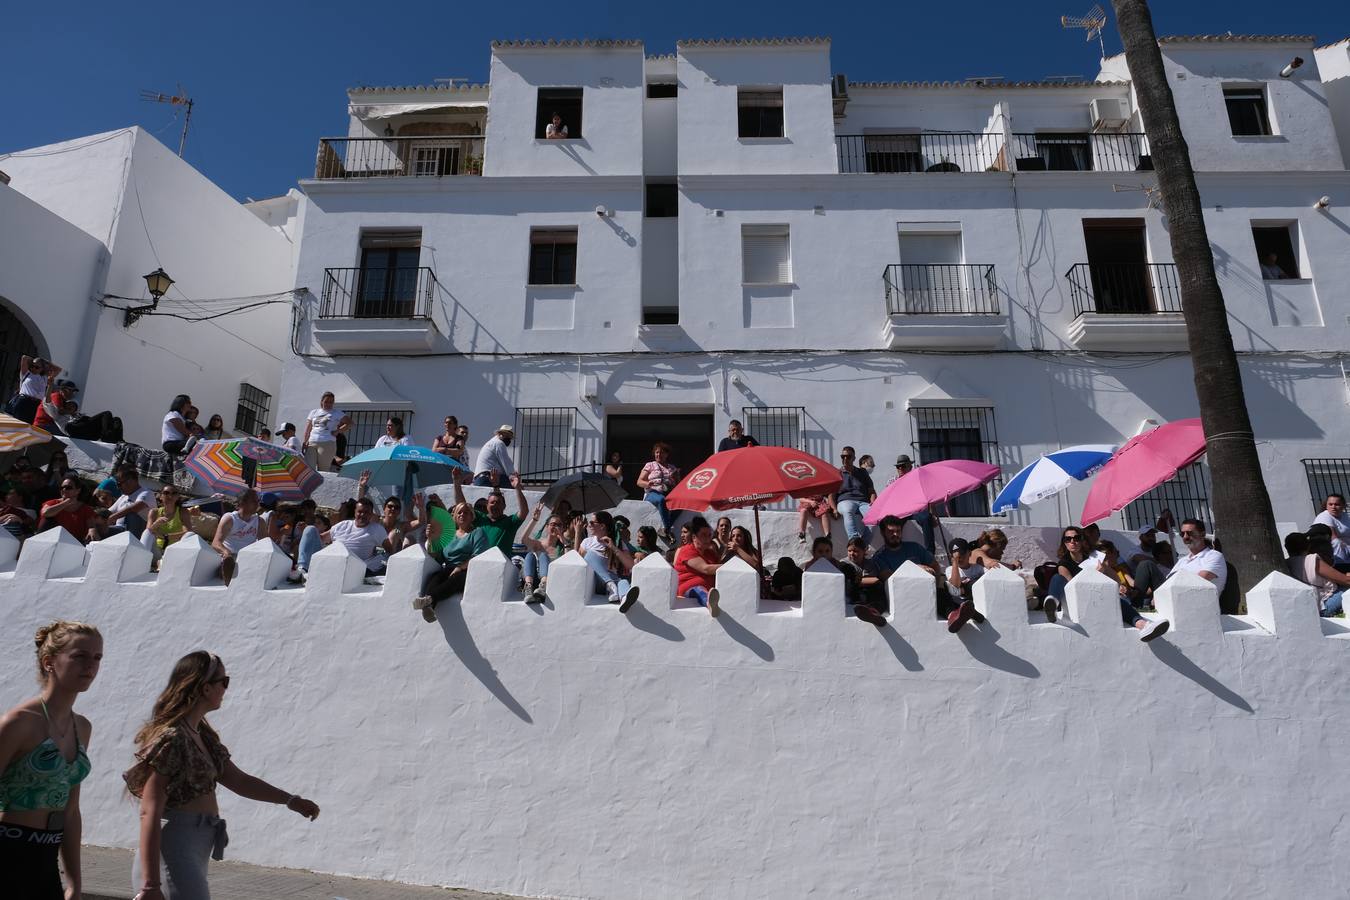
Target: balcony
[[418, 157], [377, 310], [1126, 304], [932, 151], [942, 305], [1081, 152]]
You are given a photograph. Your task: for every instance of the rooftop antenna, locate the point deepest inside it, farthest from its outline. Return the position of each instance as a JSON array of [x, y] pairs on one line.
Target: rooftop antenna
[[178, 99], [1151, 191], [451, 81], [1092, 23]]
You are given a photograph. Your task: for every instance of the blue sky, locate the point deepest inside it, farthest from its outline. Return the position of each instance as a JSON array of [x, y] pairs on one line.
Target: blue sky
[[269, 78]]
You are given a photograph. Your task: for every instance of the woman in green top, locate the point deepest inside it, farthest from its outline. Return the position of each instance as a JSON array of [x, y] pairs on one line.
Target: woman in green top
[[454, 555], [170, 520], [43, 759]]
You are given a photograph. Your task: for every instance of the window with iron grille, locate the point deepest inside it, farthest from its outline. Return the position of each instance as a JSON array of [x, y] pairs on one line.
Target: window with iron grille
[[368, 425], [553, 256], [545, 436], [775, 426], [253, 411], [1186, 495], [957, 432], [1326, 476]]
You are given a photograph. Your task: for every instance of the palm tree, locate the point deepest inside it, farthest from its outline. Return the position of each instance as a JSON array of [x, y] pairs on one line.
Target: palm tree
[[1240, 501]]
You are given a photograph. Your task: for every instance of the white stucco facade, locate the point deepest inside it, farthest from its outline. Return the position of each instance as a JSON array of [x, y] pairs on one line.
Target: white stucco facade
[[87, 219]]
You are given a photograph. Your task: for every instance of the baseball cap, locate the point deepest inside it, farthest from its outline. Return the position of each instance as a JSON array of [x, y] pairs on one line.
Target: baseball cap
[[958, 545]]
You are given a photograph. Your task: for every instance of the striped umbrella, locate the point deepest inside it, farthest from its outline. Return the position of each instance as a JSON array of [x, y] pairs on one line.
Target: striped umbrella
[[1051, 474], [232, 465], [16, 434]]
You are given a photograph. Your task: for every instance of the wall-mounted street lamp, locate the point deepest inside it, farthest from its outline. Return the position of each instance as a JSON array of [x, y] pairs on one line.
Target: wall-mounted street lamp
[[157, 283]]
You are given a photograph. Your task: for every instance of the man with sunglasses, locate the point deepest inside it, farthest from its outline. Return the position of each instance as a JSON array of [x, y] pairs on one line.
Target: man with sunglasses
[[1203, 559], [855, 495]]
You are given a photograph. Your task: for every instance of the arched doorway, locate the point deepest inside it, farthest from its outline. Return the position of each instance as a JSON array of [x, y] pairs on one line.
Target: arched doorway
[[15, 341]]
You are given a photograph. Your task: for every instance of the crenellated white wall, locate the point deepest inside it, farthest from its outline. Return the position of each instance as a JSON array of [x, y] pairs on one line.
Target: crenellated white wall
[[778, 750]]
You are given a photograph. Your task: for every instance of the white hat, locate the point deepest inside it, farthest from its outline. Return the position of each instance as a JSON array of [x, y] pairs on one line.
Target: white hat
[[506, 429]]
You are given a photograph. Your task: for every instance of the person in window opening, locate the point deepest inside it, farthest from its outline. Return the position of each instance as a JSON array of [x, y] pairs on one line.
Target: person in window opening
[[444, 442], [1271, 270], [736, 437], [556, 130], [393, 434], [696, 565], [612, 564], [1074, 558], [215, 428], [322, 427], [855, 495], [614, 468], [175, 435], [494, 464], [656, 479], [34, 377]]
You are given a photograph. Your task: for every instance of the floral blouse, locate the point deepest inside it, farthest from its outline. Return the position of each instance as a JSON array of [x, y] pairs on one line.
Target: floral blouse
[[188, 770]]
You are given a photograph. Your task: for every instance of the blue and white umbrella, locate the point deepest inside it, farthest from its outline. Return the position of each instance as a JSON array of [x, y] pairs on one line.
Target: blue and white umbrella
[[406, 465], [1051, 474]]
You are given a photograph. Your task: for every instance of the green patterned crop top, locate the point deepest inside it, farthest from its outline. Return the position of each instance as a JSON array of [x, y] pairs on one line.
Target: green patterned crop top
[[41, 778]]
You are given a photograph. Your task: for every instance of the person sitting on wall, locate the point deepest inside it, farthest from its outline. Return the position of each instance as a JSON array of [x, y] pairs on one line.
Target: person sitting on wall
[[541, 552], [175, 437], [52, 409], [855, 495], [322, 427], [444, 442], [647, 543], [742, 544], [34, 376], [98, 525], [612, 565], [864, 587], [696, 565], [290, 440], [394, 524], [1075, 557], [1203, 559], [1335, 517], [657, 479], [989, 548], [215, 428], [964, 571], [614, 467], [555, 130], [15, 517], [393, 434], [786, 582], [130, 511], [35, 487], [819, 508], [500, 528], [361, 535], [494, 464], [236, 531], [736, 437], [265, 435], [1310, 562], [895, 551], [69, 511], [722, 536], [453, 555]]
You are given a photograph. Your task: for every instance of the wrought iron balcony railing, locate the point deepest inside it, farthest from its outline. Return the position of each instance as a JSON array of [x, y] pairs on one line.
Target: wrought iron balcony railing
[[1081, 152], [1124, 288], [932, 151], [940, 289], [377, 293], [426, 157]]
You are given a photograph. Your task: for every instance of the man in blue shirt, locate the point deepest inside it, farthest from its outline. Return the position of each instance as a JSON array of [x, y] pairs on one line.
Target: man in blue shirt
[[896, 551], [855, 495]]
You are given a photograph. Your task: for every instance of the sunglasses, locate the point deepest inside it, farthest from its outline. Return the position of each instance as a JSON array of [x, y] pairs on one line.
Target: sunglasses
[[70, 487], [1071, 538], [223, 681], [1186, 534]]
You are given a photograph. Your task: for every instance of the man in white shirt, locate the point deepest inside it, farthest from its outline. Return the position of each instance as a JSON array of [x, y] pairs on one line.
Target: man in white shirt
[[361, 535], [494, 465], [236, 531], [1334, 516], [290, 440], [322, 426], [1203, 560], [130, 511]]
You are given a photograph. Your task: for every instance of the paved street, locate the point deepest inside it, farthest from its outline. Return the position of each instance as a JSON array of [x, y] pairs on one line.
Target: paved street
[[107, 876]]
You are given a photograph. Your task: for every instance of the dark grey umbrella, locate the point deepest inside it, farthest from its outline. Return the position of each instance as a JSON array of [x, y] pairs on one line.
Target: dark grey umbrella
[[585, 492]]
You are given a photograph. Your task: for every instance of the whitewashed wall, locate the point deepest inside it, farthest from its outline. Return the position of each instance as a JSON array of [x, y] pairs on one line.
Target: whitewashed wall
[[569, 750]]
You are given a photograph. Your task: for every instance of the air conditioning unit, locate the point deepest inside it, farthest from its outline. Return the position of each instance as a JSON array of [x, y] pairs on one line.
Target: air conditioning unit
[[1108, 114]]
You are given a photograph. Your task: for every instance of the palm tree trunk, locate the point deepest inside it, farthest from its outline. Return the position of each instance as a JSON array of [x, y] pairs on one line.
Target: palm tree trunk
[[1241, 505]]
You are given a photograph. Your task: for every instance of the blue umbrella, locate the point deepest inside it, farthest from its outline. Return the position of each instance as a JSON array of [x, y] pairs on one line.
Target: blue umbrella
[[1051, 474], [403, 464]]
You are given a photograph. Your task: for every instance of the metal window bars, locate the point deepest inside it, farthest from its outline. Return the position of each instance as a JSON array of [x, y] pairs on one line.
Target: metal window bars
[[775, 426], [545, 437], [253, 410], [940, 289], [1326, 476], [1124, 288], [957, 432], [402, 292], [1081, 152], [368, 426], [930, 151], [1186, 494], [385, 157]]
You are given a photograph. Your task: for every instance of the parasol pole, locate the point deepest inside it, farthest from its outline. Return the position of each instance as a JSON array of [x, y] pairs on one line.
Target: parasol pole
[[408, 472], [759, 543]]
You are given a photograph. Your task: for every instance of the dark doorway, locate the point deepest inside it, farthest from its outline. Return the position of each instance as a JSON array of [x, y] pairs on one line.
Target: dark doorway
[[1117, 253], [690, 437], [15, 341]]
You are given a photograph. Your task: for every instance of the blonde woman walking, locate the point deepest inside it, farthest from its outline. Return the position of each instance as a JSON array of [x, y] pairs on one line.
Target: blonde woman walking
[[43, 758], [180, 760]]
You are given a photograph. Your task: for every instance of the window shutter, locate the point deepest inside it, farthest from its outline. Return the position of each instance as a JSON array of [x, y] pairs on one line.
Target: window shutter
[[373, 239], [765, 255]]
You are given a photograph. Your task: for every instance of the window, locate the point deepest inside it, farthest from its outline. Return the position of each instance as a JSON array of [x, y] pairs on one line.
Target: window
[[544, 438], [660, 90], [775, 426], [759, 112], [1247, 113], [1275, 254], [368, 425], [566, 102], [387, 282], [1065, 152], [663, 201], [1326, 476], [553, 256], [766, 256], [1186, 495], [253, 411], [957, 432], [893, 152]]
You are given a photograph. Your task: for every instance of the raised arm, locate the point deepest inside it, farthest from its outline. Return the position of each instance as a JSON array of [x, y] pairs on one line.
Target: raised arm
[[522, 507]]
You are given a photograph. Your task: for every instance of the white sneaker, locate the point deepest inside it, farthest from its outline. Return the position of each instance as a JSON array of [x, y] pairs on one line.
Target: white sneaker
[[612, 592], [296, 576], [1154, 630]]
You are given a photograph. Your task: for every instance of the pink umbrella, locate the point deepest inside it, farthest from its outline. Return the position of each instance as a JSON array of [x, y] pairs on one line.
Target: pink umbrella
[[935, 482], [1145, 462]]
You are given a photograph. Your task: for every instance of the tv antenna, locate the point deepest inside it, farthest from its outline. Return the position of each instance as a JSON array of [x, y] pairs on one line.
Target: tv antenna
[[1151, 191], [1092, 23], [179, 99]]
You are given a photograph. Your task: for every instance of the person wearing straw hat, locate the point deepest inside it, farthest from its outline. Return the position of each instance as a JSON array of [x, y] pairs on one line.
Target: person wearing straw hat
[[494, 464]]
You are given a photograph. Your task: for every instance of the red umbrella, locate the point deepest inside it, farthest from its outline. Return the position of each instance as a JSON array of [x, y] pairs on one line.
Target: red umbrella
[[1145, 462], [753, 476], [935, 482]]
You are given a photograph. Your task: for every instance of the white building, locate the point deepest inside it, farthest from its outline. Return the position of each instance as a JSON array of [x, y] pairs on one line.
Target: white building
[[82, 223], [954, 269]]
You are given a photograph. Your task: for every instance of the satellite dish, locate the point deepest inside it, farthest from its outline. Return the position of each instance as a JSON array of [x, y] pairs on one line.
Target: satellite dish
[[1092, 24]]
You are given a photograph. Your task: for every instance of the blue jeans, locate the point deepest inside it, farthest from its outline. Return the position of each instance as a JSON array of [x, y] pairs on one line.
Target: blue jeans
[[658, 499], [536, 564], [482, 479], [852, 512], [602, 573], [310, 543], [699, 593], [1333, 604], [1056, 590]]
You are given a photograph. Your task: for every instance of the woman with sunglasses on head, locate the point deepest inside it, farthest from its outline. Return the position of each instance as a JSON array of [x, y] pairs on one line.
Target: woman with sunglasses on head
[[43, 759], [180, 760]]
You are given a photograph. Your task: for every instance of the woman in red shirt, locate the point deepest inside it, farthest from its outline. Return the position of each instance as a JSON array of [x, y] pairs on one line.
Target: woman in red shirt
[[696, 564], [70, 512]]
